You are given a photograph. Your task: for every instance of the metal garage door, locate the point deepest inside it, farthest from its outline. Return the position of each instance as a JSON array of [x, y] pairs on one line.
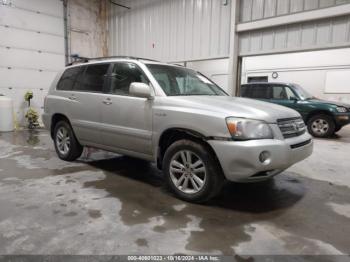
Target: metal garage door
[[31, 49], [273, 26]]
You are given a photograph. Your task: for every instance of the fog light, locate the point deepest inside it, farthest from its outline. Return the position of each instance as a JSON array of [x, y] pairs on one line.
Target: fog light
[[343, 117], [264, 157]]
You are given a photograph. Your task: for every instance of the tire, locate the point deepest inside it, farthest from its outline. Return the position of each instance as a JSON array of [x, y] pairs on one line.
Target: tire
[[337, 128], [212, 177], [63, 130], [321, 126]]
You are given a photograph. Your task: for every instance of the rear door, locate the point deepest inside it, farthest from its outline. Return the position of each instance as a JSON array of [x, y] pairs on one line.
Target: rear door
[[257, 91], [126, 120], [63, 95], [85, 107]]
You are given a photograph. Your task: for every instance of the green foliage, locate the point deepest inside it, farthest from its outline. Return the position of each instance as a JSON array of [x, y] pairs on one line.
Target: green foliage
[[28, 96], [32, 118], [32, 115]]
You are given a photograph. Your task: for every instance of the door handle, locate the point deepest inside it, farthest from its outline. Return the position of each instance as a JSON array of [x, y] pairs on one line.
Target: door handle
[[72, 97], [107, 101]]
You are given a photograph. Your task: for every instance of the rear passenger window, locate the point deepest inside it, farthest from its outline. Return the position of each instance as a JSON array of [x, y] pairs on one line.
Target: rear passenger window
[[123, 74], [259, 91], [68, 78], [245, 91], [92, 80]]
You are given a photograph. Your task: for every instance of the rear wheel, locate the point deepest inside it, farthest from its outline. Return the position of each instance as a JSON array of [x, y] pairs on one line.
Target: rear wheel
[[192, 172], [66, 145], [321, 126]]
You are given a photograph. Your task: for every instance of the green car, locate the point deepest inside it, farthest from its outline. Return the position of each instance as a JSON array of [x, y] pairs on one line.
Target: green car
[[323, 118]]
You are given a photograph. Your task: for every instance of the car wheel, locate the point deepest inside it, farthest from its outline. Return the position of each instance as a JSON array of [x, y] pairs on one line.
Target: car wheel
[[321, 126], [192, 172], [66, 145]]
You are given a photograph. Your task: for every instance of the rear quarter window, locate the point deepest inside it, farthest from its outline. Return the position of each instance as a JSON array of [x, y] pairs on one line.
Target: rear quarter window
[[68, 78], [244, 92]]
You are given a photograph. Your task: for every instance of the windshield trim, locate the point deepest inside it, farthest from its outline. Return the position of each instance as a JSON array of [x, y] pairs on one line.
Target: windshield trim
[[211, 81]]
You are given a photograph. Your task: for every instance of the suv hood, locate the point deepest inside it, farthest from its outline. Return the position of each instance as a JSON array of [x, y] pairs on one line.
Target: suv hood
[[320, 101], [228, 106]]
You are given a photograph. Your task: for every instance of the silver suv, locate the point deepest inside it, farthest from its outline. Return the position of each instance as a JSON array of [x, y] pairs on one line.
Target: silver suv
[[176, 117]]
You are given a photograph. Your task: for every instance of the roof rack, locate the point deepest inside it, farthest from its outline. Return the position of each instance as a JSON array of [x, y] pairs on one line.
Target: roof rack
[[79, 59]]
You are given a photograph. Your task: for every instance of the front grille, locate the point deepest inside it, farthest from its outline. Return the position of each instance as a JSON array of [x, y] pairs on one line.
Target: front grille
[[291, 127]]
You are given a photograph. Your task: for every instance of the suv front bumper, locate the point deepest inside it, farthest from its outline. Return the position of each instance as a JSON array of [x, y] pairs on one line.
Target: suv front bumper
[[342, 119], [240, 160]]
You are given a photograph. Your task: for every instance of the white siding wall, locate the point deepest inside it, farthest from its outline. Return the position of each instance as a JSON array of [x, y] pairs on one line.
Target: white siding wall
[[309, 34], [171, 30], [327, 33], [251, 10], [31, 49]]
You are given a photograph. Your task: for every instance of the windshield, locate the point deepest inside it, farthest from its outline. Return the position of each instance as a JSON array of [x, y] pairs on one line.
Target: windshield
[[303, 94], [177, 81]]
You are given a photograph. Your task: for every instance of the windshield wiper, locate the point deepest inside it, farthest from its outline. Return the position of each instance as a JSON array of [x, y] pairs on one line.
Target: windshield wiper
[[311, 97]]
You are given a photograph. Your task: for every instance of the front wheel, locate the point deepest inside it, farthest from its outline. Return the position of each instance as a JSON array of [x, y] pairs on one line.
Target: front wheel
[[192, 171], [321, 126], [66, 145], [337, 128]]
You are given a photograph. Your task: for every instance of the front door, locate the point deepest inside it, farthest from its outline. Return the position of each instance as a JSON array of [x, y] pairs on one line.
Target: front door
[[126, 120], [283, 96]]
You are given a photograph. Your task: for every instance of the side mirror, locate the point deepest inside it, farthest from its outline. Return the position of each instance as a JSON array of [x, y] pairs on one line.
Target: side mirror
[[294, 99], [140, 90]]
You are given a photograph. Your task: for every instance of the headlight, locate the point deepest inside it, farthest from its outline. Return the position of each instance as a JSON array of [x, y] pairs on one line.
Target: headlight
[[341, 109], [245, 129]]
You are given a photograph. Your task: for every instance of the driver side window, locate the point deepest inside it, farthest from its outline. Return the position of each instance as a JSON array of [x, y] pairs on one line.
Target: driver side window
[[282, 93], [122, 75], [290, 94], [279, 92]]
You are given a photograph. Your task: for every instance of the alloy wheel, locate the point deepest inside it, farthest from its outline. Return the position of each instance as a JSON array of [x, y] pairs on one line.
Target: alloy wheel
[[320, 126], [63, 141], [187, 172]]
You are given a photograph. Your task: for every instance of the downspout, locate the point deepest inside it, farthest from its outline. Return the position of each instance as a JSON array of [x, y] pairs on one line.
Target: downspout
[[65, 21], [234, 67]]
